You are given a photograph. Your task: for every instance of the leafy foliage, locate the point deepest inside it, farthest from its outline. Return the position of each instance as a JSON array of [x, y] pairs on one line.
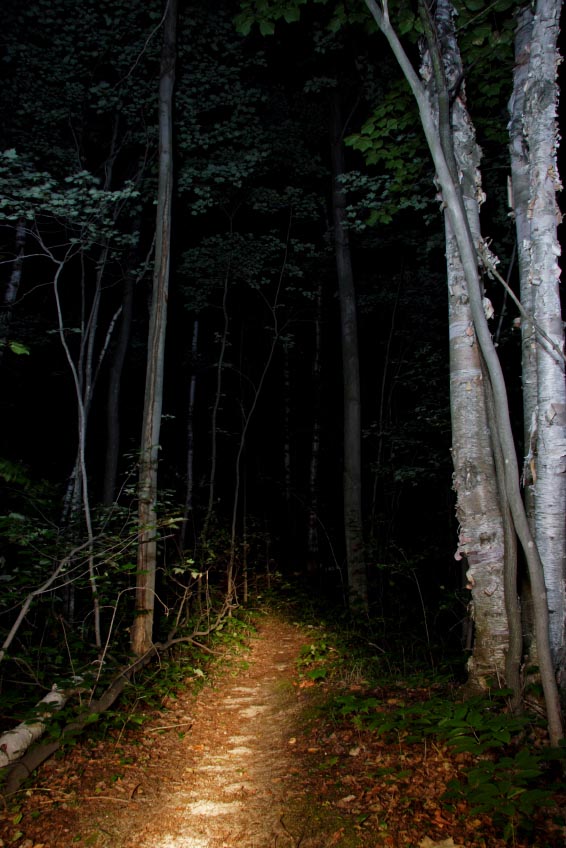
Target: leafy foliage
[[77, 203], [507, 781], [509, 789]]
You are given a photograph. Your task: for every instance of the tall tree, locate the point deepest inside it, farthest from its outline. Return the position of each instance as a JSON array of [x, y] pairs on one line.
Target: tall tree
[[313, 497], [13, 285], [142, 628], [353, 521], [479, 510], [535, 181], [451, 191]]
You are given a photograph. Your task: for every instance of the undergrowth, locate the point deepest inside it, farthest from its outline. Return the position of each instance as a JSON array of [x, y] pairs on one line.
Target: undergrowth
[[184, 667], [511, 776]]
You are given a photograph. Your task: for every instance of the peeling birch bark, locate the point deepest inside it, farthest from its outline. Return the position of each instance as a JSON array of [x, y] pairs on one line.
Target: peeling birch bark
[[535, 181], [481, 535], [541, 134], [468, 253], [15, 742]]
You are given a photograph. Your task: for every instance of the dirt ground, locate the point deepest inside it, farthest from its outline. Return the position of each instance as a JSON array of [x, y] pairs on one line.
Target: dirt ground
[[218, 771], [250, 763]]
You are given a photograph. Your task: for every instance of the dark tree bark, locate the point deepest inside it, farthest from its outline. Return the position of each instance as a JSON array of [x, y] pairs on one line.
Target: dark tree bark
[[189, 482], [353, 527], [142, 627], [13, 285], [313, 553], [113, 397]]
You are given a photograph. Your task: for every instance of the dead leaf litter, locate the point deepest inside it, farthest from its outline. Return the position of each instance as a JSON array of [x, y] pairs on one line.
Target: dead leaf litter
[[248, 763]]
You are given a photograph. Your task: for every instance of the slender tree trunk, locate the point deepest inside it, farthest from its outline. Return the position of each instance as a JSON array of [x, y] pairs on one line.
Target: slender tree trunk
[[142, 627], [519, 202], [113, 396], [13, 285], [80, 470], [479, 512], [245, 542], [189, 483], [381, 540], [514, 652], [287, 463], [520, 205], [217, 399], [353, 525], [247, 418], [74, 492], [313, 553], [538, 92]]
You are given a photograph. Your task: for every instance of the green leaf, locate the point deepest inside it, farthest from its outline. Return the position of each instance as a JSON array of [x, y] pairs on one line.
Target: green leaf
[[19, 348], [317, 673], [244, 23], [291, 15], [266, 27]]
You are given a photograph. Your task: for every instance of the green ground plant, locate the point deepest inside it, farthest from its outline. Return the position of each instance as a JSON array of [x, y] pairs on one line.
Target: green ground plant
[[510, 778]]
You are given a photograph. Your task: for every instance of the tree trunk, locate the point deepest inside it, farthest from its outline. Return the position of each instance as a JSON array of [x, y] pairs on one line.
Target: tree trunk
[[353, 527], [520, 205], [189, 482], [113, 397], [452, 197], [112, 457], [481, 539], [246, 421], [481, 534], [287, 429], [13, 285], [15, 742], [142, 627], [541, 287], [519, 202], [313, 554], [217, 399]]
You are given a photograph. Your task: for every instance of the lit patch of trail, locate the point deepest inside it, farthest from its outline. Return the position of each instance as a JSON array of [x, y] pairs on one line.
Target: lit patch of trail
[[231, 777]]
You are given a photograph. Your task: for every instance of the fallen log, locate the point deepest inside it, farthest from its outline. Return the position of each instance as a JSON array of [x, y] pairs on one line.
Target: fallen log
[[20, 770], [15, 742]]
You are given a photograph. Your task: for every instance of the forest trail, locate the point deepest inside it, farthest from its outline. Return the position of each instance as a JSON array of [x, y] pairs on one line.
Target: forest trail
[[232, 773], [250, 763], [217, 771]]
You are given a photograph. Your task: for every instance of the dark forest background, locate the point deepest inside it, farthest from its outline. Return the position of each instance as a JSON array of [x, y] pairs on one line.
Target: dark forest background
[[253, 341]]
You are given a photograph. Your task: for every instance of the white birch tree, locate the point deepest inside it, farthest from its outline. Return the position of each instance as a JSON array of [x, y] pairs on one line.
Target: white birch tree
[[479, 512], [535, 181]]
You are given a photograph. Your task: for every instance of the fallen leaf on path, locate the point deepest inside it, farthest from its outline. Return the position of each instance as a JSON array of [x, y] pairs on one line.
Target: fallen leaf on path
[[343, 802]]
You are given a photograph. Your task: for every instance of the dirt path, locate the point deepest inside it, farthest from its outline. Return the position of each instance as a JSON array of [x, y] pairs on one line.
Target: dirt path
[[231, 773], [218, 771], [243, 766]]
